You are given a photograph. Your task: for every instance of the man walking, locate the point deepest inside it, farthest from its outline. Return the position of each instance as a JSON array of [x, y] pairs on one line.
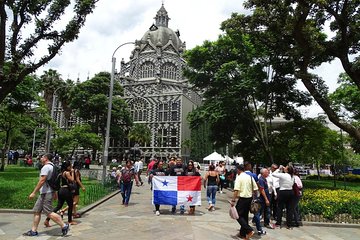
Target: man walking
[[138, 169], [243, 191], [265, 198], [256, 218], [44, 201]]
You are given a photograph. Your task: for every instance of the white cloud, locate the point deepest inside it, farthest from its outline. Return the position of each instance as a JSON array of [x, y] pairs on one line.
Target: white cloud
[[117, 22]]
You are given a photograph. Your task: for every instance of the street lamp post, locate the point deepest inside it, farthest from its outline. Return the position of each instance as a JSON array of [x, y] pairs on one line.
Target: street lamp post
[[33, 144], [108, 120], [52, 113], [342, 155]]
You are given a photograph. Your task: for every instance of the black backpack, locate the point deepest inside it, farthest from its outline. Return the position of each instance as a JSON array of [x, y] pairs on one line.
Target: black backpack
[[55, 178]]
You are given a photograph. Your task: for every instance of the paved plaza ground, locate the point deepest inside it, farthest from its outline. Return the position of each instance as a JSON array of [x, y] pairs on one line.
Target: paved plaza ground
[[111, 220]]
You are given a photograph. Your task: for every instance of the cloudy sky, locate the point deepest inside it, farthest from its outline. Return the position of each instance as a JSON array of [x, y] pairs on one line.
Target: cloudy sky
[[115, 22]]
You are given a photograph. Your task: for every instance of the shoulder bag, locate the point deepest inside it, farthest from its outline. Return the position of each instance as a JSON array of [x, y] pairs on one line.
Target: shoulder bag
[[255, 202]]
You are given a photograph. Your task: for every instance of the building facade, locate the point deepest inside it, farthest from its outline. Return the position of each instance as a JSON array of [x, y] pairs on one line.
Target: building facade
[[156, 91]]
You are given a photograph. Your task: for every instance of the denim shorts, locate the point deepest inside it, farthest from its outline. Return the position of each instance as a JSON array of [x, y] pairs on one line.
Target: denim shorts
[[44, 203]]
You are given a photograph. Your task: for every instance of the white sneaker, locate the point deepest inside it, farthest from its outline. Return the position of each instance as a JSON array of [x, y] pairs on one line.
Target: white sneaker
[[157, 213]]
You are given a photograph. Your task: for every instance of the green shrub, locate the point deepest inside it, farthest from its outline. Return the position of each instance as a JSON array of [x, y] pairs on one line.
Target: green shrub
[[348, 177], [330, 203]]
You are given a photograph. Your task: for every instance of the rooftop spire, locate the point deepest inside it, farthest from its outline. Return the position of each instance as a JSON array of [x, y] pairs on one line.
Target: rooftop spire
[[162, 18]]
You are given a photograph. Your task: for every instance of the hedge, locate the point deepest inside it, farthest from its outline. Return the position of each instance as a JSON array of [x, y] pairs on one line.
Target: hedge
[[330, 203]]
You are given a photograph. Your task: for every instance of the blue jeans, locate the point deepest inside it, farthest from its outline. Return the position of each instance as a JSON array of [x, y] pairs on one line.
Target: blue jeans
[[266, 210], [211, 194], [125, 189], [256, 220]]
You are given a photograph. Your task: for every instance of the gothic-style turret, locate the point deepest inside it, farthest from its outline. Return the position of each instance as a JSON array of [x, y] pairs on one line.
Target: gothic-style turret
[[162, 18]]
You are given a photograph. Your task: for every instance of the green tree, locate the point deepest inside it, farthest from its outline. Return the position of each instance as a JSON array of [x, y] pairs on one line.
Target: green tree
[[51, 83], [297, 32], [242, 93], [89, 100], [15, 118], [77, 136], [42, 18], [308, 141], [140, 133]]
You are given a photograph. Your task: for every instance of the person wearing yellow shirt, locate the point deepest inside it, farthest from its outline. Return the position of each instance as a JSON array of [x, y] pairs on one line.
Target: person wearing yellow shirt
[[244, 187]]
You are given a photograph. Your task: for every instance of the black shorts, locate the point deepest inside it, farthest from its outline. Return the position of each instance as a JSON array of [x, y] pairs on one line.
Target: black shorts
[[77, 190]]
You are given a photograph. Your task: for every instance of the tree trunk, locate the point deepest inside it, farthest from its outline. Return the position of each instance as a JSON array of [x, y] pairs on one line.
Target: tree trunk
[[2, 168], [318, 169]]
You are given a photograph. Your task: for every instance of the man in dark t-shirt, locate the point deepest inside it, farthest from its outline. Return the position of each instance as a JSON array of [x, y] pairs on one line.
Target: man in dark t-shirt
[[178, 170]]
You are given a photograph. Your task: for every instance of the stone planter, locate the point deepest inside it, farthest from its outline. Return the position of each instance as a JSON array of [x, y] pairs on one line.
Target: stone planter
[[340, 218]]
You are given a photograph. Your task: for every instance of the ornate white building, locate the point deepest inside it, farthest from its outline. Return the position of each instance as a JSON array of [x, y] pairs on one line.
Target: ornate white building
[[156, 91]]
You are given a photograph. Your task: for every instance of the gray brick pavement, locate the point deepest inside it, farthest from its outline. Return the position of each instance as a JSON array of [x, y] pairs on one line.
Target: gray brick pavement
[[111, 220]]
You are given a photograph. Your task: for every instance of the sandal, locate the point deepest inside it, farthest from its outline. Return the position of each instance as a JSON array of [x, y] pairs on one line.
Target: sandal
[[62, 214], [77, 215], [47, 224], [73, 223]]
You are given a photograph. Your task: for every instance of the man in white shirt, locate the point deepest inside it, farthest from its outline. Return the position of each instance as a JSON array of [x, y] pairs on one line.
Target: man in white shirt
[[138, 169], [275, 187]]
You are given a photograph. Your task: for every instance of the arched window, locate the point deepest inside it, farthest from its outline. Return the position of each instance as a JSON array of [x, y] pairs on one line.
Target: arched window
[[147, 70], [138, 109], [168, 70]]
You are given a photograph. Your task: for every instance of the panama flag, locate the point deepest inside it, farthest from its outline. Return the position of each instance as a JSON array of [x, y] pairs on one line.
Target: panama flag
[[181, 190]]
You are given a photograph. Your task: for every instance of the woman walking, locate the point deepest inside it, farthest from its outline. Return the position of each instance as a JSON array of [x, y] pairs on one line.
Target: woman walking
[[211, 181], [125, 180], [221, 171], [76, 193], [65, 193]]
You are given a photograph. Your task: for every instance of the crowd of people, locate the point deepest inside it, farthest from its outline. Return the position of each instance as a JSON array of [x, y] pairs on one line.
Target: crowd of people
[[273, 187]]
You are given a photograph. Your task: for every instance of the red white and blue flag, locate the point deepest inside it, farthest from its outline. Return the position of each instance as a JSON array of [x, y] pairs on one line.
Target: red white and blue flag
[[180, 190]]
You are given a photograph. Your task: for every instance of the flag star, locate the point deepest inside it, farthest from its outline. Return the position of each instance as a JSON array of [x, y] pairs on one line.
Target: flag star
[[165, 183], [189, 198]]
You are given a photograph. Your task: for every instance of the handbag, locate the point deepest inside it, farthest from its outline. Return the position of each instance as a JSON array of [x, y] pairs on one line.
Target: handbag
[[233, 212], [255, 205], [72, 185], [296, 189], [255, 202]]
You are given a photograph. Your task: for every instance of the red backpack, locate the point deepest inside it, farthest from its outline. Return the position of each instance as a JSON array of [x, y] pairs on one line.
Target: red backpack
[[126, 174]]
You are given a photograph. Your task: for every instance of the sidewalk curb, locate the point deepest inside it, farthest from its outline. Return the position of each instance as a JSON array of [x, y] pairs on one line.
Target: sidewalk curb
[[97, 203], [104, 199], [323, 224], [81, 211]]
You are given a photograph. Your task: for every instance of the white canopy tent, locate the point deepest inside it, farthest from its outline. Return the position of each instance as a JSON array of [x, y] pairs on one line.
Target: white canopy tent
[[228, 159], [239, 160], [213, 158]]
